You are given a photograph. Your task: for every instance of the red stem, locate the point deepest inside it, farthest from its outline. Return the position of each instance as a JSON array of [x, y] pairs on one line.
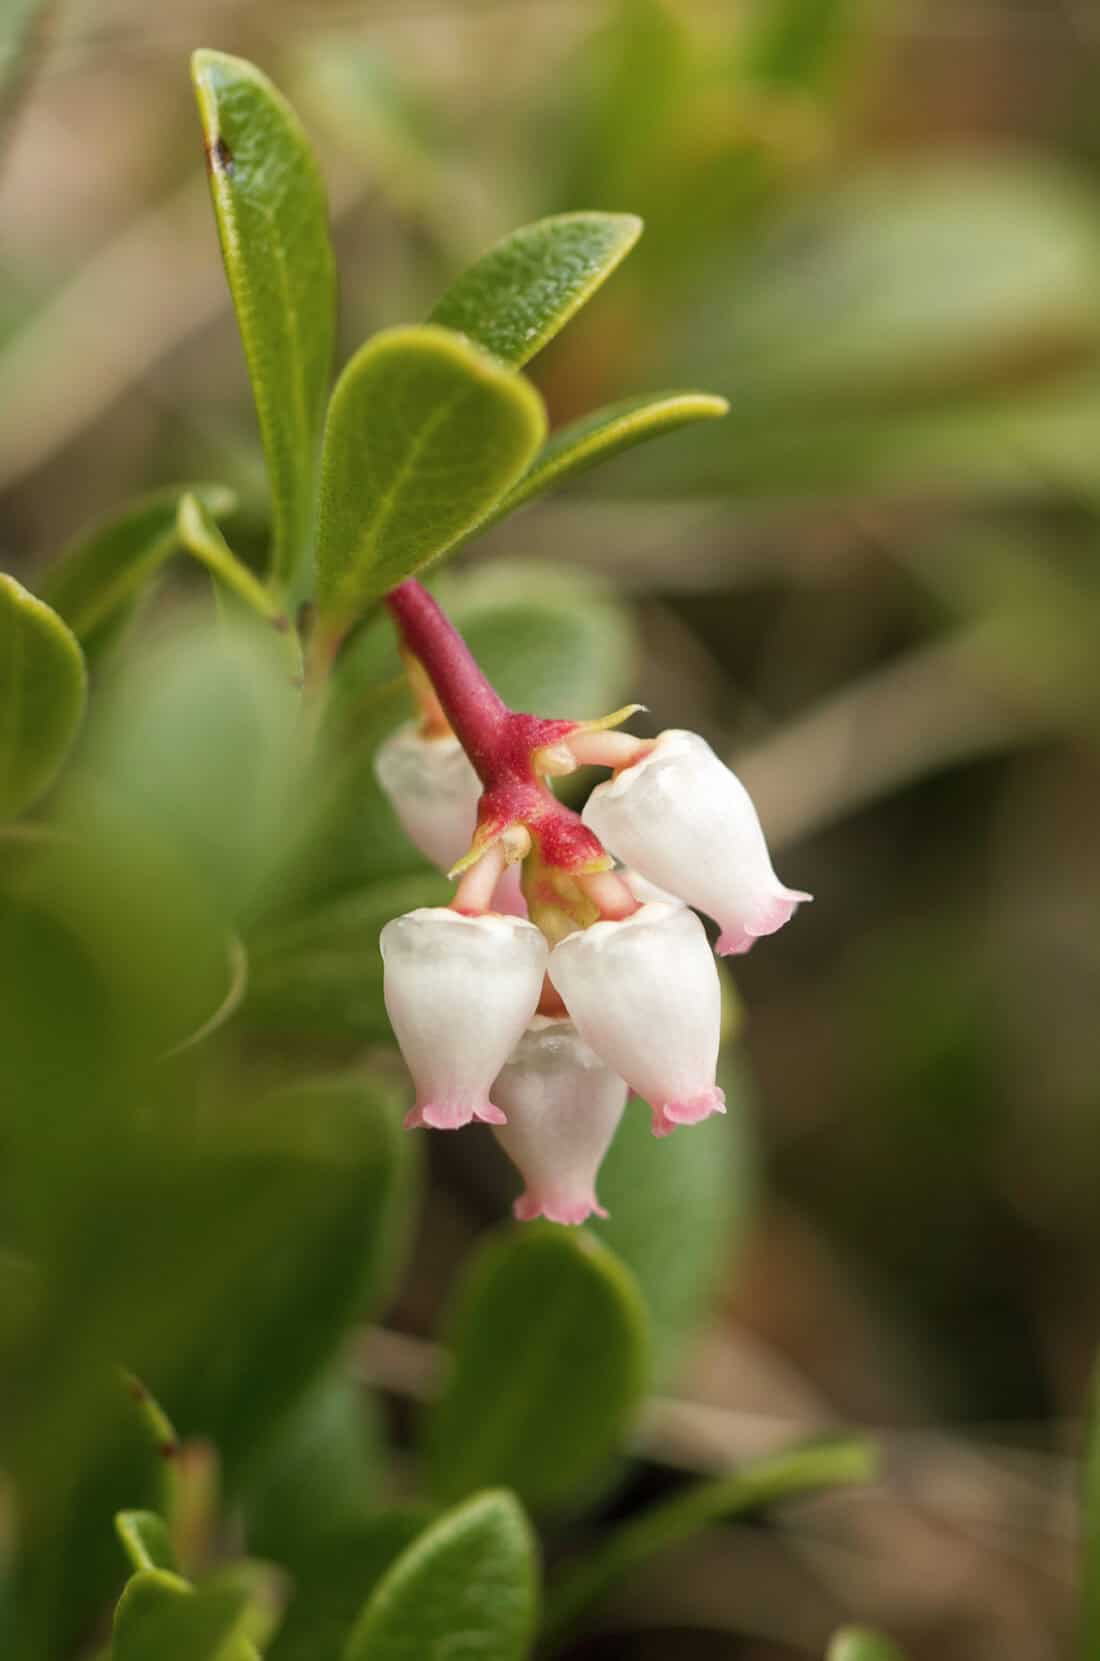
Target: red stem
[[476, 712]]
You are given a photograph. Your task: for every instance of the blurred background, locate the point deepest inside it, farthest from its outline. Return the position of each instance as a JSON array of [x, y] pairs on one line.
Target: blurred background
[[875, 228]]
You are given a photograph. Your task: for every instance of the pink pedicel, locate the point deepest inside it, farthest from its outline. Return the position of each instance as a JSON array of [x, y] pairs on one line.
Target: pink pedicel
[[501, 743]]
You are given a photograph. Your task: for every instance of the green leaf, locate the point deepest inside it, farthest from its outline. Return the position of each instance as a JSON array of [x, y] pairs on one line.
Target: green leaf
[[678, 1209], [518, 295], [43, 686], [597, 437], [466, 1587], [811, 1468], [162, 1618], [425, 433], [862, 1643], [145, 1540], [334, 1572], [309, 1196], [272, 217], [320, 974], [196, 735], [201, 536], [99, 575], [549, 1351], [323, 1472]]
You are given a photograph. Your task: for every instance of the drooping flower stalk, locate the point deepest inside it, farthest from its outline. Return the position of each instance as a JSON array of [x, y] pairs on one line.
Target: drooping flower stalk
[[630, 993], [476, 712], [506, 748]]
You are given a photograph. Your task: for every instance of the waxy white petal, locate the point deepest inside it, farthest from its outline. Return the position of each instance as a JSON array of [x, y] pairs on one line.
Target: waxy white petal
[[563, 1106], [682, 819], [645, 994], [459, 993], [433, 790]]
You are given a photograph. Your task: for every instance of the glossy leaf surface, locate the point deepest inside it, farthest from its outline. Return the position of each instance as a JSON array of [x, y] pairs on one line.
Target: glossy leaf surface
[[518, 295], [425, 433], [162, 1618], [599, 436], [269, 202], [466, 1587], [542, 1417]]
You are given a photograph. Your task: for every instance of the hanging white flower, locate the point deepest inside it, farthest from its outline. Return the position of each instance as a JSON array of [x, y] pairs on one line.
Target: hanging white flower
[[644, 993], [683, 820], [459, 993], [433, 790], [563, 1106]]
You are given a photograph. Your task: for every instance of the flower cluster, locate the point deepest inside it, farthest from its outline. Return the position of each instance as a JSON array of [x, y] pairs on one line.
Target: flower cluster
[[569, 969]]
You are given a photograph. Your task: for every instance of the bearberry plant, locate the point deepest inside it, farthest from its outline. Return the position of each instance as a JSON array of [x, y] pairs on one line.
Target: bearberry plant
[[296, 820]]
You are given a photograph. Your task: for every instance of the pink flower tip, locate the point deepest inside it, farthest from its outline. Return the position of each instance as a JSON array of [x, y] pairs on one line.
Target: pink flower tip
[[770, 917], [691, 1111], [556, 1208], [452, 1115]]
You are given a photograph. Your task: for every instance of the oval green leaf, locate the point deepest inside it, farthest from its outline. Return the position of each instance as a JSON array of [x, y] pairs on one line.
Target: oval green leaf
[[677, 1211], [518, 295], [599, 436], [862, 1643], [99, 574], [269, 202], [425, 433], [548, 1339], [43, 686], [813, 1468], [160, 1617], [473, 1573]]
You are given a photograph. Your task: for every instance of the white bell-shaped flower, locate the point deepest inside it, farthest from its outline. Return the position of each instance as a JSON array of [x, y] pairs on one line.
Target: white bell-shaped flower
[[644, 993], [682, 819], [563, 1106], [433, 790], [459, 993]]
